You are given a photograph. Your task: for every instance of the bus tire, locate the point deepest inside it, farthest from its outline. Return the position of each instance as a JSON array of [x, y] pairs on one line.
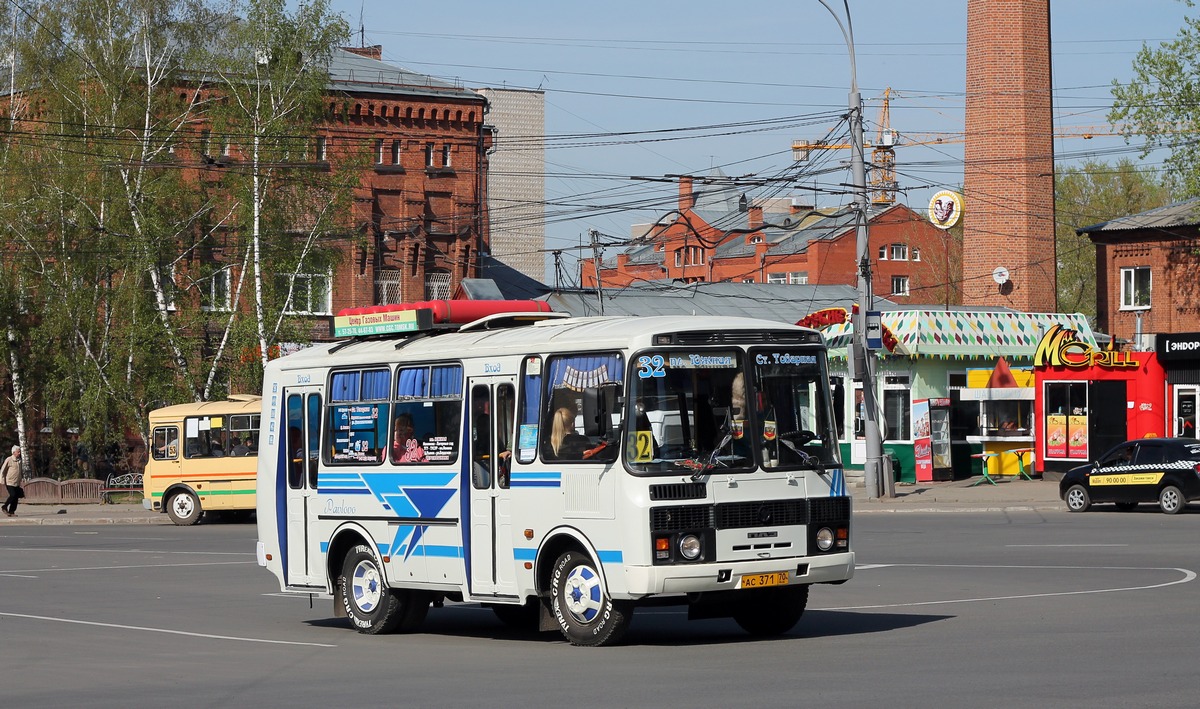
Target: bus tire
[[771, 611], [372, 607], [184, 508], [584, 611]]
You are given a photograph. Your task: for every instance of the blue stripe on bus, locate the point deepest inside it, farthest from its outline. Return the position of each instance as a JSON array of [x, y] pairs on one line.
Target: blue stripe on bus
[[522, 554], [612, 556], [536, 476], [343, 491], [535, 483]]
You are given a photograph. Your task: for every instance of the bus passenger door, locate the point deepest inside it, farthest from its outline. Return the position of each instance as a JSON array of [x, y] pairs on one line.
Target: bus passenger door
[[489, 542], [302, 444]]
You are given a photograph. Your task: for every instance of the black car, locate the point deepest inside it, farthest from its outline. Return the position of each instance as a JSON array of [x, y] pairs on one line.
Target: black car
[[1166, 470]]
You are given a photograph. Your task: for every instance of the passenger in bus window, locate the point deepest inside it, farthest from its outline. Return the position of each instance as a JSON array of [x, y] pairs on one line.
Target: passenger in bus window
[[406, 448], [565, 441], [239, 447]]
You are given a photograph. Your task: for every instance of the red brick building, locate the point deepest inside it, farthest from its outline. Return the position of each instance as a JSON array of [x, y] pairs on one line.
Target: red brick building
[[1008, 181], [1146, 266], [714, 234], [421, 200]]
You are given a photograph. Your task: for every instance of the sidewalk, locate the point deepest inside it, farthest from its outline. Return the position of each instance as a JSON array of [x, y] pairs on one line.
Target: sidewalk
[[956, 496], [964, 496]]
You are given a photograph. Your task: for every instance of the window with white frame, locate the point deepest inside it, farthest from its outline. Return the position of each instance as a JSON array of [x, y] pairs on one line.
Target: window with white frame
[[916, 254], [215, 290], [319, 148], [446, 155], [776, 278], [396, 149], [1135, 288], [798, 277], [883, 253], [900, 285], [898, 252], [379, 151], [310, 293], [896, 410], [429, 155]]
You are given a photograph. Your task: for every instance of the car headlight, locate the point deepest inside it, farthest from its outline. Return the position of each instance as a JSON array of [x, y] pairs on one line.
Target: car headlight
[[689, 547], [824, 538]]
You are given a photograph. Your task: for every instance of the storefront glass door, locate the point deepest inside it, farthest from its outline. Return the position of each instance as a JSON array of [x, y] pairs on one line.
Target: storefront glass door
[[1184, 411]]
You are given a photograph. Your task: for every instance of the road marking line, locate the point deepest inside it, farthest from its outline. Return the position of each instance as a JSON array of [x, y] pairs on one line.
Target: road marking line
[[1188, 576], [130, 551], [125, 566], [1060, 546], [161, 630]]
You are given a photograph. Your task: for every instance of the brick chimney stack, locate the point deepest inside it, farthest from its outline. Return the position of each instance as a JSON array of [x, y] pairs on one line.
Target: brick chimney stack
[[687, 198], [1008, 181], [755, 217]]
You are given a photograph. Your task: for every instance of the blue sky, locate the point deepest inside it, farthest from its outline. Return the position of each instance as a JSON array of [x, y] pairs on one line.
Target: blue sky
[[743, 80]]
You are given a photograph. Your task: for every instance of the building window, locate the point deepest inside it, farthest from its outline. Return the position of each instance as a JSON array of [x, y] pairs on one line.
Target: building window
[[896, 411], [678, 258], [446, 155], [916, 254], [319, 149], [310, 294], [1135, 288], [215, 293], [388, 288], [429, 155], [166, 284], [899, 252], [437, 285], [798, 277], [900, 285], [757, 239], [883, 252], [379, 151], [396, 152]]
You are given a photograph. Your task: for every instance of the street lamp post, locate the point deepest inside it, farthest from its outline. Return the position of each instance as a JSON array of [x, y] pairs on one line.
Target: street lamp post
[[863, 358]]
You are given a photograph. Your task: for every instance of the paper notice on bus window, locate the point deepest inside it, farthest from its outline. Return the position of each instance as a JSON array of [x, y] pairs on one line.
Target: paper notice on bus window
[[191, 428], [204, 424], [217, 422], [527, 441]]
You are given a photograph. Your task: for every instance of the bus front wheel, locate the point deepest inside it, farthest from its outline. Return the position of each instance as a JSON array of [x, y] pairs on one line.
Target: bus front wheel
[[585, 613], [184, 508], [373, 608], [771, 611]]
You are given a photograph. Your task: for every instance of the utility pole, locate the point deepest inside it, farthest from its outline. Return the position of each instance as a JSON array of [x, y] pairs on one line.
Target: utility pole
[[596, 252], [864, 359]]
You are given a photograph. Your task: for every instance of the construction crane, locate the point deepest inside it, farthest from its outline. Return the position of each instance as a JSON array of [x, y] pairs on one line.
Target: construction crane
[[882, 178]]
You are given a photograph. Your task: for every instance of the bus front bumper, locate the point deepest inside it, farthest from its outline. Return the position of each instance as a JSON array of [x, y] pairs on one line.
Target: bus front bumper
[[683, 578]]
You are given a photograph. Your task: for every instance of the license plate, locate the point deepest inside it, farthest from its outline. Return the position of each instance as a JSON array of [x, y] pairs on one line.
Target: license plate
[[774, 578]]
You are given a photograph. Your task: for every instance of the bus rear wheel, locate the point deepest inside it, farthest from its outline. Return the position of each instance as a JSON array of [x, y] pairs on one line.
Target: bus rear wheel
[[585, 613], [184, 508], [771, 611], [373, 608]]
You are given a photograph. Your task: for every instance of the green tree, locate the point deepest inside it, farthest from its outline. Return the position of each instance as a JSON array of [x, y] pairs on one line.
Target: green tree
[[271, 71], [1089, 194], [1160, 104]]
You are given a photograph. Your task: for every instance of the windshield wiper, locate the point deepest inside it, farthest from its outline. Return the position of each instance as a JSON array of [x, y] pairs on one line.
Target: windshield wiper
[[806, 458]]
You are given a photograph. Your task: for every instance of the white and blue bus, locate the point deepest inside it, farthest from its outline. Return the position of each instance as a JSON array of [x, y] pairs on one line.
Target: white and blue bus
[[558, 470]]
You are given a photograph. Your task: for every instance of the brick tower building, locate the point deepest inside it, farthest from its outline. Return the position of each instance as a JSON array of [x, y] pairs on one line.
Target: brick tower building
[[1008, 184]]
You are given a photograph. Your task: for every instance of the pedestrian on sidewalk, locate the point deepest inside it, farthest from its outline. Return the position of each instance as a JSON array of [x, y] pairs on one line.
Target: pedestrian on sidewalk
[[10, 472]]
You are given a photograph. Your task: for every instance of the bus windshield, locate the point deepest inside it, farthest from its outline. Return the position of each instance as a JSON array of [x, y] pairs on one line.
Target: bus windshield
[[687, 413], [793, 424]]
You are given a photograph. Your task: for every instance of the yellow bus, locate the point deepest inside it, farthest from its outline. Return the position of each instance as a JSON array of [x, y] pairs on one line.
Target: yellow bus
[[203, 458]]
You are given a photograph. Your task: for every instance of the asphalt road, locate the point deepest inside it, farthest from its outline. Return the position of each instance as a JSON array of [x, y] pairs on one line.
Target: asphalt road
[[991, 609]]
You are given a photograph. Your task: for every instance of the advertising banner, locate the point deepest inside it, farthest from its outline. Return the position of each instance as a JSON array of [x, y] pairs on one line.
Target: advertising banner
[[1077, 444], [1056, 436]]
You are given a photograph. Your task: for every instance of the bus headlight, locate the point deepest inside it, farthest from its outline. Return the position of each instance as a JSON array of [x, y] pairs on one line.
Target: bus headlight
[[689, 547], [824, 538]]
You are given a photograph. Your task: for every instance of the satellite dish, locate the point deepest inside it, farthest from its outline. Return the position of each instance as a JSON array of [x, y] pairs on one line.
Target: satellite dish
[[1000, 275]]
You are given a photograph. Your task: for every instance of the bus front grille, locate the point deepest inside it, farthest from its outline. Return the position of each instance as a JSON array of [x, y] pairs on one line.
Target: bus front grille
[[679, 517], [678, 491], [768, 513]]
